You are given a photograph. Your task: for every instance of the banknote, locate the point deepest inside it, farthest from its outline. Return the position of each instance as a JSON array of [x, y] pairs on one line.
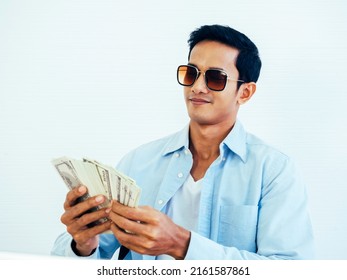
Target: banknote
[[99, 178]]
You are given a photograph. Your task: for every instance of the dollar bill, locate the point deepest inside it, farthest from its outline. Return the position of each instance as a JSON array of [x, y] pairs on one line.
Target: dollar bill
[[74, 176], [99, 178], [104, 176]]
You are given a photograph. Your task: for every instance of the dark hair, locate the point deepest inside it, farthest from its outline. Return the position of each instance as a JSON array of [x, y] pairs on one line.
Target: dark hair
[[248, 62]]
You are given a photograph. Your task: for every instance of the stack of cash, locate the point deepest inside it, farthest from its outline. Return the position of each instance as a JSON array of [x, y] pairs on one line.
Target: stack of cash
[[99, 179]]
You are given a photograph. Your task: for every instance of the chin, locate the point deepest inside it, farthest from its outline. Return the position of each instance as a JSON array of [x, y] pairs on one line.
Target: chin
[[202, 120], [208, 119]]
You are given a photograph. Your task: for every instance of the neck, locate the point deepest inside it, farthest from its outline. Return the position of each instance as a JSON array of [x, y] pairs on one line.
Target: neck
[[205, 139]]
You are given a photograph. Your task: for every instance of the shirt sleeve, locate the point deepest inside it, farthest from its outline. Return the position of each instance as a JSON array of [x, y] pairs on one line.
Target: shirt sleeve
[[107, 247], [284, 228], [202, 248], [62, 247]]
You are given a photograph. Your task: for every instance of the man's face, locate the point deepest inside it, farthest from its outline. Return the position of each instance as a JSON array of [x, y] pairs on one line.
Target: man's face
[[207, 107]]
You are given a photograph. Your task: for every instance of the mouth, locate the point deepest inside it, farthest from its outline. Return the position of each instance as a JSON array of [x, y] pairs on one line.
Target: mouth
[[199, 101]]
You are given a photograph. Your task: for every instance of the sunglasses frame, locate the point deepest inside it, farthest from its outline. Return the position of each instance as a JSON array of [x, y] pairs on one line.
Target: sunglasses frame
[[198, 72]]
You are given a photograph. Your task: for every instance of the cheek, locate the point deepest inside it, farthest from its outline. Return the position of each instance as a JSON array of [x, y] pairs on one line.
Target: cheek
[[226, 101], [186, 92]]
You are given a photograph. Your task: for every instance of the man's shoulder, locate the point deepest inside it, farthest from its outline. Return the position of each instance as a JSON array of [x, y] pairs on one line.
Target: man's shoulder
[[161, 143], [260, 147], [152, 152]]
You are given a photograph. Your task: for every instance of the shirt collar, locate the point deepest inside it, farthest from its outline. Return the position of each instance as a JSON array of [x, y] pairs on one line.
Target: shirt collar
[[235, 141], [177, 141]]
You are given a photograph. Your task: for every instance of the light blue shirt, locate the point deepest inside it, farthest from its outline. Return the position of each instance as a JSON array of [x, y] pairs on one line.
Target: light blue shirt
[[253, 201]]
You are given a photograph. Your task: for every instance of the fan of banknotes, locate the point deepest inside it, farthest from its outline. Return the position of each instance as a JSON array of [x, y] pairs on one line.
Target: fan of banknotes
[[99, 179]]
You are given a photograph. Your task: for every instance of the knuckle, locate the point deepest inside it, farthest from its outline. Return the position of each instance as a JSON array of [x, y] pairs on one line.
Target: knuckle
[[155, 220], [69, 229], [78, 237], [66, 205], [91, 202], [155, 234], [122, 223], [63, 219], [70, 196], [83, 220], [149, 245], [150, 235], [142, 251]]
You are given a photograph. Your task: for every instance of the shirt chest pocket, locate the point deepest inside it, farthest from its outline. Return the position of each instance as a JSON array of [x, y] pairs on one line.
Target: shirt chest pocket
[[238, 226]]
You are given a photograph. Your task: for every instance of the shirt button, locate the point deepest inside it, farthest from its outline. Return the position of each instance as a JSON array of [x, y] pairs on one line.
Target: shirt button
[[223, 159], [180, 175], [186, 151], [160, 202], [177, 155]]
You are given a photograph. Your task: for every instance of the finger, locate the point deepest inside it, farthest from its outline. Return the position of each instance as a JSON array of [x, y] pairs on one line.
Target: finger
[[74, 212], [84, 222], [82, 237], [142, 214], [133, 242], [89, 205], [124, 223], [126, 238], [73, 195], [131, 213], [92, 219]]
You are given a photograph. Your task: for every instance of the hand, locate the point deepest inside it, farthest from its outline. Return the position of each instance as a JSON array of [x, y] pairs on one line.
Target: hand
[[148, 231], [76, 220]]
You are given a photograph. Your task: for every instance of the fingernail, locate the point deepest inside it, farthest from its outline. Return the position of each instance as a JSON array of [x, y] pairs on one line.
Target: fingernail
[[108, 210], [99, 198], [82, 189]]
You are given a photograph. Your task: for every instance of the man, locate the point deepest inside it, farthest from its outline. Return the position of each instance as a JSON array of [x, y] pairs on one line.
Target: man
[[210, 191]]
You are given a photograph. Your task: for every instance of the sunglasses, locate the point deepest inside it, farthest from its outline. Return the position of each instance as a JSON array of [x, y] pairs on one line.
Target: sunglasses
[[215, 79]]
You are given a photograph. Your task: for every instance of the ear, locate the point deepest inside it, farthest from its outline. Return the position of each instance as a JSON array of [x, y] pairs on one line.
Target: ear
[[246, 92]]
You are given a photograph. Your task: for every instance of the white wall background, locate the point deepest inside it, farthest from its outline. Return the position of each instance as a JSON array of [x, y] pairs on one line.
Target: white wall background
[[97, 78]]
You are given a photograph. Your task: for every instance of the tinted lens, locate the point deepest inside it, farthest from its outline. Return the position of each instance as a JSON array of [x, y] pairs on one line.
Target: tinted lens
[[216, 79], [186, 75]]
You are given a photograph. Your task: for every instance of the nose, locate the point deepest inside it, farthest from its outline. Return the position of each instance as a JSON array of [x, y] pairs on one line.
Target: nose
[[199, 85]]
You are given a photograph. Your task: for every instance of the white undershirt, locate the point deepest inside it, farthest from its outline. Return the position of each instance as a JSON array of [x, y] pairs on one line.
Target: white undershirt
[[183, 207]]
